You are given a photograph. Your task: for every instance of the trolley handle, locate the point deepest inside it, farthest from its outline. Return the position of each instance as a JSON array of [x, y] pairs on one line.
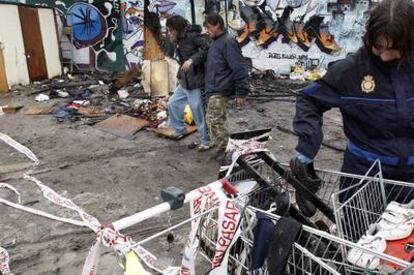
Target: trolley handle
[[300, 187], [293, 211]]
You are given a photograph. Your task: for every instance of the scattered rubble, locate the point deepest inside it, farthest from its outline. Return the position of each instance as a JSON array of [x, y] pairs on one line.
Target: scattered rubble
[[265, 89], [94, 97]]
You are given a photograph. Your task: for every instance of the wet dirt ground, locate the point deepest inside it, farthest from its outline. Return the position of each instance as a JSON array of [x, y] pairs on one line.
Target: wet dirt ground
[[111, 177]]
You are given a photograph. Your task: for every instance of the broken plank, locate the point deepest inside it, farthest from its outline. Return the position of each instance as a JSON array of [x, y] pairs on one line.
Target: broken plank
[[38, 91], [11, 109], [169, 132], [73, 84]]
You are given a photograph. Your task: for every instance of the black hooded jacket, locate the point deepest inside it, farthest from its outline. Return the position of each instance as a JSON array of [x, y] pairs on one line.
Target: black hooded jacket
[[192, 45]]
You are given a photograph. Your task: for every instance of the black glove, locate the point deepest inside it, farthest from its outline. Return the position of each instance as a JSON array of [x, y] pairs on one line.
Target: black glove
[[306, 175]]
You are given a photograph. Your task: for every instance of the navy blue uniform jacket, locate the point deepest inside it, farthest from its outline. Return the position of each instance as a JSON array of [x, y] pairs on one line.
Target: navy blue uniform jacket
[[226, 70], [376, 100]]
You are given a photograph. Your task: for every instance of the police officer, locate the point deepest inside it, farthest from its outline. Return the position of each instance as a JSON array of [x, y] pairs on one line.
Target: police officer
[[374, 90]]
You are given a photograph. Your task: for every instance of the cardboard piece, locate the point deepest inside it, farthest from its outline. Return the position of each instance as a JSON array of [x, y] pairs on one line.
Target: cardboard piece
[[168, 132], [159, 78], [122, 126], [91, 111], [173, 68], [38, 110]]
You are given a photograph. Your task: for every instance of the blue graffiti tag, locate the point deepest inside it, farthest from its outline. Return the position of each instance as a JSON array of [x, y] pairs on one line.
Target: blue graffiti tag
[[88, 24]]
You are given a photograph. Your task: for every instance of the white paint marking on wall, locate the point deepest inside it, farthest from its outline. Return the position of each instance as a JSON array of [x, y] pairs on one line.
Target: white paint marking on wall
[[14, 51], [109, 7], [63, 4], [50, 42]]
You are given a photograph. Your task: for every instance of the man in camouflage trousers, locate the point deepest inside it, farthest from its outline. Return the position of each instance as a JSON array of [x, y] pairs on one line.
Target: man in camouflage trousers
[[226, 76], [217, 119]]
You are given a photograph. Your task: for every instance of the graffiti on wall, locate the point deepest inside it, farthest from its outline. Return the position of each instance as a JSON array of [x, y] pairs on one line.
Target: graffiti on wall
[[96, 37], [274, 34], [132, 12], [279, 34]]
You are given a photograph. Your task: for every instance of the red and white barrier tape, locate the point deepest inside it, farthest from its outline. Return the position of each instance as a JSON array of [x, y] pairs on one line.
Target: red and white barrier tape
[[4, 262], [210, 196], [19, 147], [57, 199], [239, 147], [11, 188], [227, 226]]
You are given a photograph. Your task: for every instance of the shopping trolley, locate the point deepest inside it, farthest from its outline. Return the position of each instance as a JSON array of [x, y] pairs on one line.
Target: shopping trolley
[[314, 252], [367, 202], [283, 174]]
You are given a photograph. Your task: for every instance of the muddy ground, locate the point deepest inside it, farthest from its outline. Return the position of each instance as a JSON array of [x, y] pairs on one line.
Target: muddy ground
[[111, 177]]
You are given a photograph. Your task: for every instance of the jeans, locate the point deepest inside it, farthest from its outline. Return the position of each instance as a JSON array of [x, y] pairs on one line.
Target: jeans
[[176, 105]]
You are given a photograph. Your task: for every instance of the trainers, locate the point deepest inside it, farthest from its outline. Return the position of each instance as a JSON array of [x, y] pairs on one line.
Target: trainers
[[218, 154], [178, 136], [204, 147], [192, 145]]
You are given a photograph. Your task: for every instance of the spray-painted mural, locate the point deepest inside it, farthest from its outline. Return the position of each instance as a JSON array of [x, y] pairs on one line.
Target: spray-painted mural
[[276, 34], [96, 34], [132, 12], [279, 34]]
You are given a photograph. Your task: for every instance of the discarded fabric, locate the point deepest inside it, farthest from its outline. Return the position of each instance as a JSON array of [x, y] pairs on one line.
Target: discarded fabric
[[62, 93], [285, 234], [62, 114], [42, 97], [123, 94], [162, 115]]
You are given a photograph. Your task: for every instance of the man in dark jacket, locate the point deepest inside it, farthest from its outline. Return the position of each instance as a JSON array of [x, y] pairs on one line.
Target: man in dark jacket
[[226, 75], [374, 90], [191, 51]]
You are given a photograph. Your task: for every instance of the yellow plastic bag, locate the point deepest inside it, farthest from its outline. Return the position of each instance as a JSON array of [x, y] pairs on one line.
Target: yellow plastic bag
[[188, 115], [133, 265]]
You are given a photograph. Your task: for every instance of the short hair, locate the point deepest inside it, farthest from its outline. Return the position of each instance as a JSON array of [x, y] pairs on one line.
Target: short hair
[[177, 23], [214, 19], [393, 19]]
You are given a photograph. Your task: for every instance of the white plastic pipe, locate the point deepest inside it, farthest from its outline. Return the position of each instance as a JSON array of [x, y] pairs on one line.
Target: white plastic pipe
[[157, 210]]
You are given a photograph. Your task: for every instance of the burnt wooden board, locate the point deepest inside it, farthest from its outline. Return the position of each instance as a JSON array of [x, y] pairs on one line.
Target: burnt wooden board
[[4, 86], [168, 132]]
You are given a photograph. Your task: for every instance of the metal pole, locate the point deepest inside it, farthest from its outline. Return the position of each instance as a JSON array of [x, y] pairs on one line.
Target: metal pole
[[156, 210], [193, 18], [226, 14]]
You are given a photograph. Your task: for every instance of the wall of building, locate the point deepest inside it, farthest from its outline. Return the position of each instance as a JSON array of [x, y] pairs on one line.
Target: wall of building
[[274, 34], [12, 44], [269, 31], [279, 34], [97, 33]]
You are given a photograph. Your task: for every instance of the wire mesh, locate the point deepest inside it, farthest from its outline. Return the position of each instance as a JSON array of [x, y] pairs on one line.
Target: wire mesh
[[314, 252]]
